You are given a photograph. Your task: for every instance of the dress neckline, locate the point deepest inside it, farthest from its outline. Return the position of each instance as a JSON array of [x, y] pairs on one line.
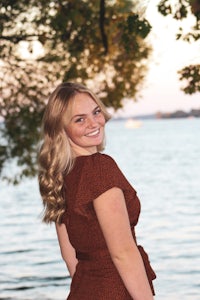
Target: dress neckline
[[85, 156]]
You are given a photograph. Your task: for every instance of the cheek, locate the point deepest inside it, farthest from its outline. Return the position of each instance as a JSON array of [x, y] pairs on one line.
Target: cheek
[[70, 132], [102, 120], [74, 133]]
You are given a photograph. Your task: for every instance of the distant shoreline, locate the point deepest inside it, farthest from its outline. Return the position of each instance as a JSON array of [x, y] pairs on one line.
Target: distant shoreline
[[193, 113]]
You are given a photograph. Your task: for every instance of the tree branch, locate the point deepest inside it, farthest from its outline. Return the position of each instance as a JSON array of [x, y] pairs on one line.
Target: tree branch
[[27, 37], [17, 38], [102, 19]]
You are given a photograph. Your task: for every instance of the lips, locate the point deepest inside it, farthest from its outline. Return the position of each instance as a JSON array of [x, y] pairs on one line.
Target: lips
[[93, 133]]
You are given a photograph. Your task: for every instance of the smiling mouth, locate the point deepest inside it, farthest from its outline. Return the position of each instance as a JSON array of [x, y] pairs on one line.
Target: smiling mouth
[[93, 133]]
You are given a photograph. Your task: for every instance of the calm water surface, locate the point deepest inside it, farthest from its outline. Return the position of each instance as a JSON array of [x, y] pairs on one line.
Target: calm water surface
[[162, 161]]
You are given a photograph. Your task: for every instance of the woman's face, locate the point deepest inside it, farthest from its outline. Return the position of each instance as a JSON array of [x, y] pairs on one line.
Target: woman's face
[[86, 126]]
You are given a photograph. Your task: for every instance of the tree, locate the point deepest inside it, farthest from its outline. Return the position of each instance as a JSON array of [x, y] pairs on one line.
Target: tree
[[99, 43], [181, 9]]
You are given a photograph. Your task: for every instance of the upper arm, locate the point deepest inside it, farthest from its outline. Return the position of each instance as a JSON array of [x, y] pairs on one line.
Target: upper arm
[[112, 214], [113, 218]]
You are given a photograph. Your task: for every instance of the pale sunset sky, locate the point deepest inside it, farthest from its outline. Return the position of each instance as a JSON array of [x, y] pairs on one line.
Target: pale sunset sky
[[162, 88]]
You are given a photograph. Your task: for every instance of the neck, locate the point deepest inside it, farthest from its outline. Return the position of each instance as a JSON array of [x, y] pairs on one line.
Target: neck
[[79, 151]]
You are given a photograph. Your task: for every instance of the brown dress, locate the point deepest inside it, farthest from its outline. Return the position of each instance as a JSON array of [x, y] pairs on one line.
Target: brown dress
[[96, 277]]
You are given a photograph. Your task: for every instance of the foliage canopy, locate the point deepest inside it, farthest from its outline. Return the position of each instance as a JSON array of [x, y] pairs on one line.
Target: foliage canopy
[[180, 10], [99, 43]]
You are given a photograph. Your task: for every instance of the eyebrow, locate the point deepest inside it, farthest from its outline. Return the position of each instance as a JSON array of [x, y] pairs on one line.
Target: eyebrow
[[82, 115]]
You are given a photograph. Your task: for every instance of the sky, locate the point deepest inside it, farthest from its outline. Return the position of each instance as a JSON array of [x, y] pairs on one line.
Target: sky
[[162, 89]]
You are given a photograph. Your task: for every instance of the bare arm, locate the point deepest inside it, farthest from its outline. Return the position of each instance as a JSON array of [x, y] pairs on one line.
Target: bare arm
[[113, 217], [67, 251]]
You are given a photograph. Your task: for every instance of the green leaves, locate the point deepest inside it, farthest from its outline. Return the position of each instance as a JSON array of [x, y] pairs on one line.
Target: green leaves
[[181, 9], [133, 28], [190, 75], [97, 42]]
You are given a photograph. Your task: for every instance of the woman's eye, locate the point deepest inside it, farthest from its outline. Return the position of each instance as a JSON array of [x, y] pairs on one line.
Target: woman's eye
[[97, 111], [79, 120]]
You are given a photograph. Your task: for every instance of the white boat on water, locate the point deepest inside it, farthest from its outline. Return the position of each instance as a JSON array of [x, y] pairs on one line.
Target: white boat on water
[[131, 123]]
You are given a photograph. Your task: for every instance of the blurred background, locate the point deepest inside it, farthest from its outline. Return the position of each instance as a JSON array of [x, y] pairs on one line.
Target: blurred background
[[142, 59]]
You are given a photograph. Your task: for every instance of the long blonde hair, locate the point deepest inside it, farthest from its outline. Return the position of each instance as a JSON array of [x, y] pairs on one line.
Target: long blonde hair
[[55, 155]]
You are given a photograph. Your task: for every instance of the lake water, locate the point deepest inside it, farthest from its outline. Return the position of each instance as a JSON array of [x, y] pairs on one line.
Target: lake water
[[162, 161]]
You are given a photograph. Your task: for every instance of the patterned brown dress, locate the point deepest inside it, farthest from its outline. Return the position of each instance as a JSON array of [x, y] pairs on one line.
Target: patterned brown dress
[[96, 277]]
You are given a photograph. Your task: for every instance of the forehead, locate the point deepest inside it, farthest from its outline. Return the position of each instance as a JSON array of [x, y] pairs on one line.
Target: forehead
[[82, 103]]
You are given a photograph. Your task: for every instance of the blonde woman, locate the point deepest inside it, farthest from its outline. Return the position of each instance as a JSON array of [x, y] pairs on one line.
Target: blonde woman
[[94, 207]]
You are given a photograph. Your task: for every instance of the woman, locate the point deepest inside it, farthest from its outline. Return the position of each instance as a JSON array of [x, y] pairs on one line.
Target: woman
[[94, 207]]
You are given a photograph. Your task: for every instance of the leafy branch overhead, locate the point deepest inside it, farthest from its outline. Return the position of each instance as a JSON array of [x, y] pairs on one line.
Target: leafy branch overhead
[[191, 75], [99, 43], [180, 10]]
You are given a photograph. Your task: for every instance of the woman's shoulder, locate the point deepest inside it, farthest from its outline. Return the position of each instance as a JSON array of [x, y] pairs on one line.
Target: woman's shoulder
[[95, 158], [105, 157], [95, 167], [98, 164], [105, 163]]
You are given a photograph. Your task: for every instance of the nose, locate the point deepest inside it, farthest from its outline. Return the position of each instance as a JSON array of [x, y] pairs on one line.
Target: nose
[[91, 122]]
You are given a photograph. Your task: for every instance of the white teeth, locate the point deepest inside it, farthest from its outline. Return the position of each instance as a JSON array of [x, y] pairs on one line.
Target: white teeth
[[93, 133]]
